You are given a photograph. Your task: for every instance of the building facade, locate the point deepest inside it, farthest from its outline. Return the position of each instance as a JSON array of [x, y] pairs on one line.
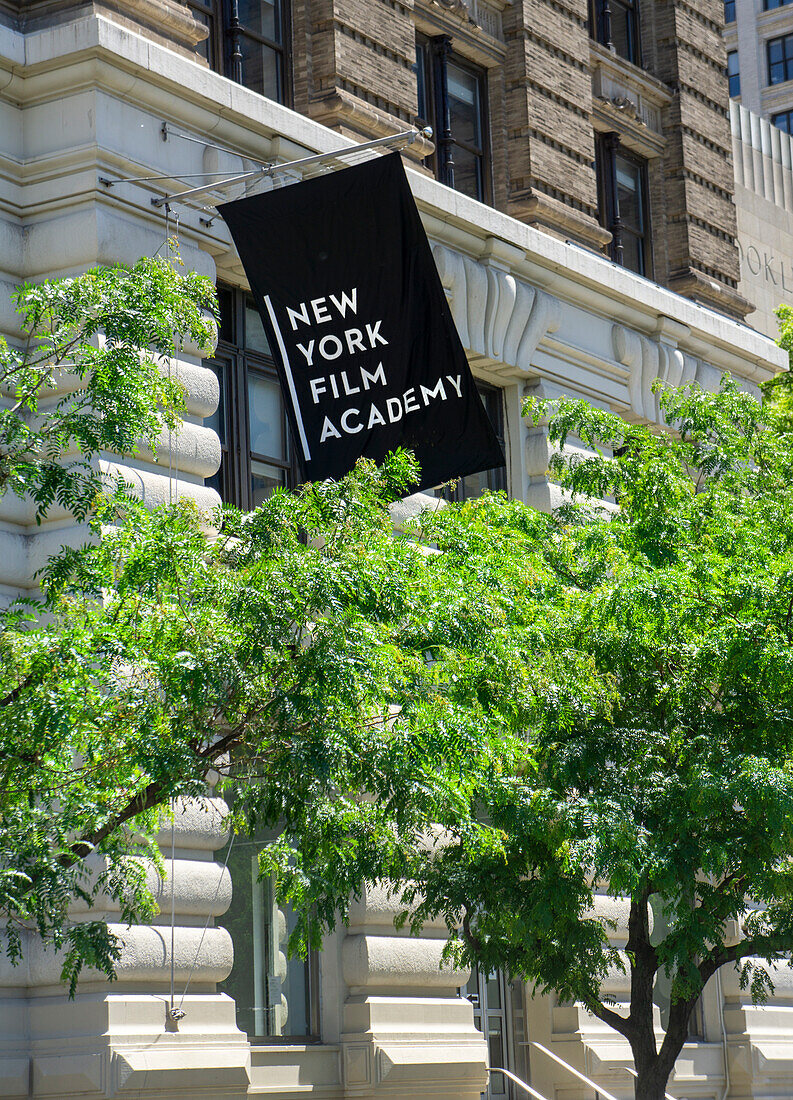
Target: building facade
[[763, 156], [523, 196], [758, 35]]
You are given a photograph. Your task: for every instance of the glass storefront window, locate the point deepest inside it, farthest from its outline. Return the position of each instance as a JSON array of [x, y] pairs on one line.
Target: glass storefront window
[[275, 996]]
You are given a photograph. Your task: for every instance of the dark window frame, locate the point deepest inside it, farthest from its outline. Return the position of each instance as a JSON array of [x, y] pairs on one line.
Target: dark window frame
[[493, 398], [734, 78], [433, 56], [786, 42], [772, 5], [226, 29], [601, 27], [607, 149], [729, 11], [235, 363], [783, 120]]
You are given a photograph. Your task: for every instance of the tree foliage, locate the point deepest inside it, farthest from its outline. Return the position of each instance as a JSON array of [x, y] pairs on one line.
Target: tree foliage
[[291, 653], [89, 376], [502, 714], [778, 391], [641, 662]]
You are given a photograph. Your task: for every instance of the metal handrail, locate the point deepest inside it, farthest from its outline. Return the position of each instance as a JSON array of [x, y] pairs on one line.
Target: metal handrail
[[517, 1080], [571, 1069]]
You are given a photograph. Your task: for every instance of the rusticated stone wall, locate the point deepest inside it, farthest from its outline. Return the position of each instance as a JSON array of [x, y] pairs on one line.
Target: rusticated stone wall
[[550, 140], [683, 46]]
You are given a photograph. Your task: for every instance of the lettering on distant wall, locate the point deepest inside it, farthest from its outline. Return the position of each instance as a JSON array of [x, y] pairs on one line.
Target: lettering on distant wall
[[764, 265]]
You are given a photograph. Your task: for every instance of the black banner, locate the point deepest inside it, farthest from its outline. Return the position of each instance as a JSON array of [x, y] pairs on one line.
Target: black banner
[[369, 358]]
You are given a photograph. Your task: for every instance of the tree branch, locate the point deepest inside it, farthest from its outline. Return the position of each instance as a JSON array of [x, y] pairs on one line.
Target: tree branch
[[622, 1024]]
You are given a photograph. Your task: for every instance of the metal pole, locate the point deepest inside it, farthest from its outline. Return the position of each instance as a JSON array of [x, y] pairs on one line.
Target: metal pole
[[234, 32], [441, 48], [408, 136], [611, 144]]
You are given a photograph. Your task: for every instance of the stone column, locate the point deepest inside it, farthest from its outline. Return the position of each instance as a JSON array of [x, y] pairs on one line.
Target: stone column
[[119, 1039], [407, 1032]]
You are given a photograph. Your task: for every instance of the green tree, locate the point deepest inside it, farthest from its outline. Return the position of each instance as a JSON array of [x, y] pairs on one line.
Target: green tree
[[289, 650], [642, 666], [290, 653], [778, 391], [89, 376]]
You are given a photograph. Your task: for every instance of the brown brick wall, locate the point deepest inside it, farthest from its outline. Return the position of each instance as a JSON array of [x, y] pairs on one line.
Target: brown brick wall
[[682, 45], [550, 141]]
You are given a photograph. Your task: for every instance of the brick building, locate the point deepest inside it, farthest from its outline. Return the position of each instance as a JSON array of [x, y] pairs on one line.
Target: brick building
[[601, 121], [576, 150]]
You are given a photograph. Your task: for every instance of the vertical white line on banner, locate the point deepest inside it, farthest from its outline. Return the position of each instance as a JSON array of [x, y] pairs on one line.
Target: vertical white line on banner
[[288, 370]]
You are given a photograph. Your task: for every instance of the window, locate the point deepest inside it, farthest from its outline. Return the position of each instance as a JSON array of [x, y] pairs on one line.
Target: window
[[452, 98], [729, 11], [783, 121], [276, 997], [769, 5], [475, 484], [622, 196], [615, 24], [499, 1013], [250, 419], [733, 74], [247, 42], [780, 59]]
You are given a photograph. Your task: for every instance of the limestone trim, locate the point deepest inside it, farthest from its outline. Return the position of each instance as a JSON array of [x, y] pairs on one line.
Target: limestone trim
[[168, 21], [629, 100], [472, 39], [536, 208], [514, 319]]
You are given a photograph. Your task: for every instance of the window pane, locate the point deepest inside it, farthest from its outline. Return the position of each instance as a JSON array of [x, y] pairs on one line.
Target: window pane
[[495, 1043], [421, 83], [733, 74], [203, 48], [226, 307], [729, 11], [217, 421], [467, 172], [783, 121], [493, 991], [260, 68], [270, 991], [629, 194], [264, 479], [255, 337], [623, 30], [633, 253], [464, 106], [262, 18], [265, 417]]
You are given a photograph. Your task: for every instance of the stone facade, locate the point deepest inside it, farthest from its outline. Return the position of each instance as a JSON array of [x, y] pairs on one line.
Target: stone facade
[[551, 89], [747, 36], [84, 91], [764, 204]]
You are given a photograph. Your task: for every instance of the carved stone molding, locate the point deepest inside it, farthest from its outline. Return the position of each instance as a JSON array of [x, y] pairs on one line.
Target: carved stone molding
[[648, 359], [498, 316]]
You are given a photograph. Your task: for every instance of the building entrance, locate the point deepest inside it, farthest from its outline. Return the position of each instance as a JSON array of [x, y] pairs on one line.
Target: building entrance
[[499, 1015]]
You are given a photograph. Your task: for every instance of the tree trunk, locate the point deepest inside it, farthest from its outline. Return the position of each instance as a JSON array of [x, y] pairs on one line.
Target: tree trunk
[[648, 1087]]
